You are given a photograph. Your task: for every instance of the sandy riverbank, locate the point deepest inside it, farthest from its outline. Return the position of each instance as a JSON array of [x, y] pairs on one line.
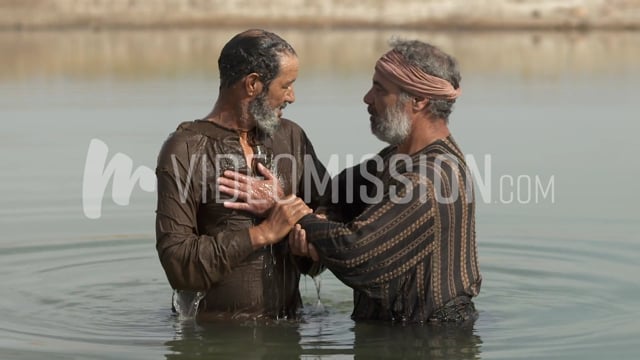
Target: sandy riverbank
[[420, 14]]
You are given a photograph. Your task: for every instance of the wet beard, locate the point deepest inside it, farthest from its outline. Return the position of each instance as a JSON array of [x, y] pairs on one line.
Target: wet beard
[[266, 118], [393, 127]]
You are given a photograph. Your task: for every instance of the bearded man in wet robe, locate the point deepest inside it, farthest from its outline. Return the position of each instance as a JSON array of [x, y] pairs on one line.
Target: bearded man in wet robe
[[228, 262]]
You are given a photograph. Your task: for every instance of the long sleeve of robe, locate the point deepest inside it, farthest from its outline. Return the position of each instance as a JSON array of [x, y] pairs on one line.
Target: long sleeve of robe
[[204, 246], [411, 248]]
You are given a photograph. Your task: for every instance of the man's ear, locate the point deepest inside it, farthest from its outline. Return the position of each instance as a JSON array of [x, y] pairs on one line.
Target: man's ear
[[252, 84], [419, 104]]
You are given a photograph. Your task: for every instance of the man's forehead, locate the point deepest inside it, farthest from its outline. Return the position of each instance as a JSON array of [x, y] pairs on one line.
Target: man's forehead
[[288, 59], [383, 81], [288, 65]]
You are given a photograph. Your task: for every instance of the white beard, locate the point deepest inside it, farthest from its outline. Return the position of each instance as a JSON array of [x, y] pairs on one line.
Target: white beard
[[393, 127], [266, 118]]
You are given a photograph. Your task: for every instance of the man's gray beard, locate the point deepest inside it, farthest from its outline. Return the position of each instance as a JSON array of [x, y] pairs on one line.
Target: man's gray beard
[[394, 126], [266, 118]]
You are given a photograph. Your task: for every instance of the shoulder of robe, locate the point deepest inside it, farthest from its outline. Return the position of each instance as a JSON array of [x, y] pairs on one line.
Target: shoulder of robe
[[289, 128], [180, 143]]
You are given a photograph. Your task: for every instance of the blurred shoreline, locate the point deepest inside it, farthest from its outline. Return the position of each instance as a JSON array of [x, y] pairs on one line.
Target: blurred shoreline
[[314, 14], [156, 54]]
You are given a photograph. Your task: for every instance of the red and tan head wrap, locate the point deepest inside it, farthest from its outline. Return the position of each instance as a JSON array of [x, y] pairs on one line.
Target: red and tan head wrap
[[413, 80]]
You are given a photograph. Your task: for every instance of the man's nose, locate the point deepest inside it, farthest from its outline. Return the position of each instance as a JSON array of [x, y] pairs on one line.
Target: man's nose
[[290, 97], [368, 98]]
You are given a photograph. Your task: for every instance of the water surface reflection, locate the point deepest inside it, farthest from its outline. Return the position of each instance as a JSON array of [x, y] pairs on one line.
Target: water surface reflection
[[558, 276], [140, 55]]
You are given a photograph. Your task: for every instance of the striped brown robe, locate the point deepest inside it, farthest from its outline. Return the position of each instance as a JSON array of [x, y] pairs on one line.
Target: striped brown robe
[[406, 260]]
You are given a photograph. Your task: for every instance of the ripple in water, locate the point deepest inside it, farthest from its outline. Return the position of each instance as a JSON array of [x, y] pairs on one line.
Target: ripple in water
[[541, 298], [556, 298]]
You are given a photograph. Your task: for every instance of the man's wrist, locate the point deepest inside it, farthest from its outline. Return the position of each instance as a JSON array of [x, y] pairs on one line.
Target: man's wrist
[[260, 236]]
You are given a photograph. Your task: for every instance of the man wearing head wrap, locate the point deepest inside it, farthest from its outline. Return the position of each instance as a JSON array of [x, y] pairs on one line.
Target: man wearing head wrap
[[403, 233], [220, 259]]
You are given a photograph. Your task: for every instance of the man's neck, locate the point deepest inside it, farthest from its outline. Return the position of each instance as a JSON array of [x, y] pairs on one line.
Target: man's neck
[[232, 115], [424, 132], [235, 118]]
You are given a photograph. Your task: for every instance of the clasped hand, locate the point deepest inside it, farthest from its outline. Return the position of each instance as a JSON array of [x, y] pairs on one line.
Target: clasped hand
[[259, 196], [254, 195]]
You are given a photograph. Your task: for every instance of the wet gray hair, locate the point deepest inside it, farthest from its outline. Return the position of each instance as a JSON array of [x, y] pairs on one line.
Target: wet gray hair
[[433, 61], [252, 51]]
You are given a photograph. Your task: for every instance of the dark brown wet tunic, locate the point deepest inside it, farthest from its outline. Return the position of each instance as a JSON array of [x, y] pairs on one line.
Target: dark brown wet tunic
[[204, 246], [413, 261]]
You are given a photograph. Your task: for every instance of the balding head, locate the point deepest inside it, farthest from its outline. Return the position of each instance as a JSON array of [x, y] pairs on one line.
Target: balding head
[[252, 51]]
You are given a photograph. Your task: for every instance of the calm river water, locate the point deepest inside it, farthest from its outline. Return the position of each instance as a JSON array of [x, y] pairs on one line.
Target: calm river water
[[550, 120]]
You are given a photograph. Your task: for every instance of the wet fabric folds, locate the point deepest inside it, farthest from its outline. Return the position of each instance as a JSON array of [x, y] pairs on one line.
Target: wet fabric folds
[[204, 246]]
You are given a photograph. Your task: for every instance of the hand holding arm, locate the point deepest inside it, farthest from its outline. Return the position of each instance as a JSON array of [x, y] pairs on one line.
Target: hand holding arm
[[282, 218], [300, 246]]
